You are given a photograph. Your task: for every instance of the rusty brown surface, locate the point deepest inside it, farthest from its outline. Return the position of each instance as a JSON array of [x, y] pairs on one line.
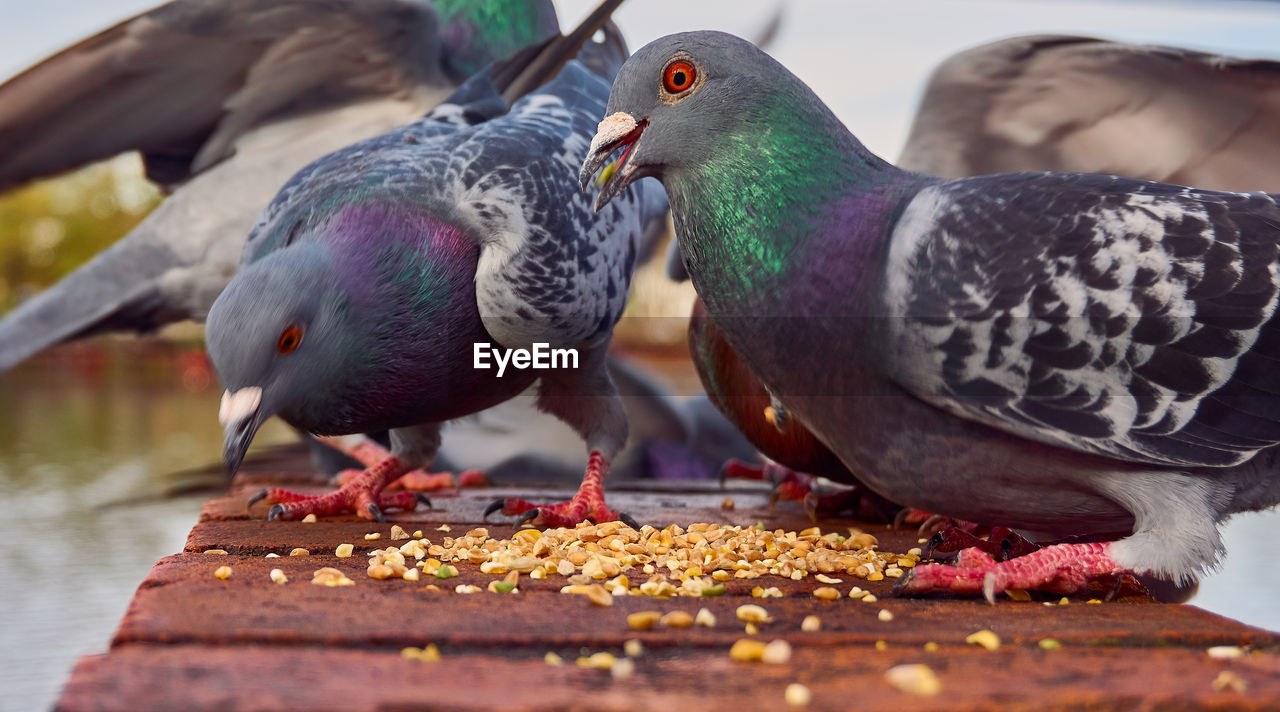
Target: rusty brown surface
[[192, 641]]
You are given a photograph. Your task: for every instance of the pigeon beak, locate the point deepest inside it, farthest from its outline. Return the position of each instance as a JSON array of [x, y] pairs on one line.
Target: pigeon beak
[[617, 130], [240, 415]]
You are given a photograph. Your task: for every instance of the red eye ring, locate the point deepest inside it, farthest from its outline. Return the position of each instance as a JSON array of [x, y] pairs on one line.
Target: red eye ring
[[289, 340], [678, 77]]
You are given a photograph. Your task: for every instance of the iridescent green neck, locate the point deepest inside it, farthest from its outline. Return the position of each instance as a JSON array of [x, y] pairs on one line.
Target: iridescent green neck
[[477, 32], [743, 215]]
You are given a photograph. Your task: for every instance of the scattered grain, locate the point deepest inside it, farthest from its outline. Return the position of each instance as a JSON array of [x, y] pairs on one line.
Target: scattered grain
[[811, 624], [222, 572]]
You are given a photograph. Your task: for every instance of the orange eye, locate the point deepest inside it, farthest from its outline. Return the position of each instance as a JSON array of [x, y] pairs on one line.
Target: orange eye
[[678, 76], [289, 340]]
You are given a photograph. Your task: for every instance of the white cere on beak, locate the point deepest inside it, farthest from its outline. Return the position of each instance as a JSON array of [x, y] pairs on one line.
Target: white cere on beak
[[238, 406], [614, 127]]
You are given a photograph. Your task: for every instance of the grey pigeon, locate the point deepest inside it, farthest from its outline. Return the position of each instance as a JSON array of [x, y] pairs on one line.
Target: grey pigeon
[[1050, 102], [225, 99], [1074, 355], [376, 273]]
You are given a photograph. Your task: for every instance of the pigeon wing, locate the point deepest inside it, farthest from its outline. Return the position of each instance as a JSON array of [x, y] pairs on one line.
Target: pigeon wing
[[1107, 315], [1076, 103], [181, 83]]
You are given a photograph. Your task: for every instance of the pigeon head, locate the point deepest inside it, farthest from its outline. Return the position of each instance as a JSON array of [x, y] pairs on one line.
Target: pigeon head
[[273, 341], [340, 333], [674, 102]]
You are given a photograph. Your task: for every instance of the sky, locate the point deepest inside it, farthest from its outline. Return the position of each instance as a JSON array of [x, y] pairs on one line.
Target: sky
[[867, 59]]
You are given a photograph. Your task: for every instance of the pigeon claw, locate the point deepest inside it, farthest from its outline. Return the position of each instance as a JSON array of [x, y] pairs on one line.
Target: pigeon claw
[[494, 506], [276, 511], [257, 498], [423, 499], [375, 513], [528, 516]]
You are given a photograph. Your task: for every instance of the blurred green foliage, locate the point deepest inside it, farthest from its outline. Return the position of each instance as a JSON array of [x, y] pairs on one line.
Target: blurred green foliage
[[50, 227]]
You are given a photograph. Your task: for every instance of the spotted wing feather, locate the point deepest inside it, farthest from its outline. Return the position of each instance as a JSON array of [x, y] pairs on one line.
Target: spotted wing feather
[[1108, 315]]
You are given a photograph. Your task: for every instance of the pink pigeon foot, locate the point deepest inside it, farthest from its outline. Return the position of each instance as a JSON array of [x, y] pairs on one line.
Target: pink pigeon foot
[[587, 504], [362, 495], [369, 453], [1060, 568]]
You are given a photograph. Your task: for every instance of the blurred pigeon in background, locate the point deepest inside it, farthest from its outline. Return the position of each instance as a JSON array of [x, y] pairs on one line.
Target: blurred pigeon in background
[[225, 99], [463, 231], [1070, 354], [1081, 104]]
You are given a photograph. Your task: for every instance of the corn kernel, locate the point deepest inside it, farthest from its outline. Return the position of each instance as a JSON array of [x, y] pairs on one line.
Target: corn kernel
[[914, 679], [1225, 652], [985, 638], [344, 551], [811, 624], [797, 695], [309, 519], [278, 576], [329, 576], [633, 648], [373, 536], [826, 593], [597, 595], [747, 650], [777, 652], [705, 618], [676, 619], [643, 620], [222, 572]]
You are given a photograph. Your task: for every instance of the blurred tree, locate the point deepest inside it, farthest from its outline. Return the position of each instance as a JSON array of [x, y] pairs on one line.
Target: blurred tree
[[51, 227]]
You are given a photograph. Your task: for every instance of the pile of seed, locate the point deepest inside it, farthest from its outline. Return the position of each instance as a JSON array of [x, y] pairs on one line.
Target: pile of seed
[[673, 561]]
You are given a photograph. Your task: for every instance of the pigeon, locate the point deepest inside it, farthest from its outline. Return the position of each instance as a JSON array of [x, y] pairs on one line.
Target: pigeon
[[1075, 355], [225, 100], [379, 274], [1045, 102]]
